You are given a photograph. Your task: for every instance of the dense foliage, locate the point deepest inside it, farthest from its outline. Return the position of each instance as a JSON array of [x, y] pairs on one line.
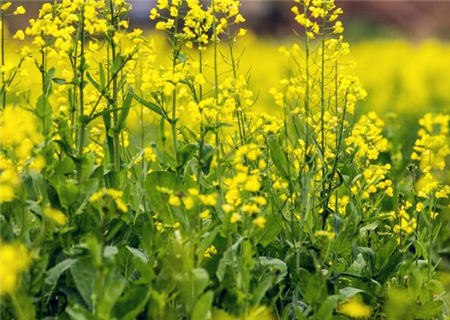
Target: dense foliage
[[135, 189]]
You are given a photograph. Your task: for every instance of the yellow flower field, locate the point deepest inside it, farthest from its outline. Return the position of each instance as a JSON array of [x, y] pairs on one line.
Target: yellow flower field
[[198, 171]]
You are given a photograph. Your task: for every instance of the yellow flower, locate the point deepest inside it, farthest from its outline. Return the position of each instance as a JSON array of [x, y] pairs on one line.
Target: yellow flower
[[5, 6], [242, 32], [205, 214], [235, 217], [338, 28], [252, 184], [20, 35], [261, 201], [200, 79], [121, 205], [250, 208], [211, 251], [208, 199], [260, 222], [355, 308], [20, 10], [38, 163], [6, 193], [419, 207], [188, 203], [174, 201], [55, 215], [14, 259], [193, 191]]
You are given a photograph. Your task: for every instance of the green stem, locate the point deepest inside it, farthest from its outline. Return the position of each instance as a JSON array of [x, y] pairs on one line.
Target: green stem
[[116, 141], [173, 122], [81, 86]]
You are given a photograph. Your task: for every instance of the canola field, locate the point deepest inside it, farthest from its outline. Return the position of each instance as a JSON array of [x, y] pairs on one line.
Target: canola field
[[197, 171]]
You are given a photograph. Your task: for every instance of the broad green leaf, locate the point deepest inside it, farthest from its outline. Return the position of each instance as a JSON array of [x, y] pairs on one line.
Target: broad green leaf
[[113, 287], [274, 266], [83, 274], [202, 310], [327, 307], [54, 273], [225, 261], [124, 262], [132, 303], [349, 292], [261, 289]]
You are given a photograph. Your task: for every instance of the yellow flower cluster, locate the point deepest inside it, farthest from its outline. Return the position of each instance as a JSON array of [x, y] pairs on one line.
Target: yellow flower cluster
[[242, 189], [14, 259], [403, 220], [313, 14], [211, 251], [19, 136], [374, 180], [433, 145], [198, 22], [366, 141], [432, 150], [149, 155], [110, 194]]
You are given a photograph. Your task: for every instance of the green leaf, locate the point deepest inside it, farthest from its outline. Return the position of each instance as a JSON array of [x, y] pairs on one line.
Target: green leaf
[[43, 108], [114, 285], [187, 153], [383, 253], [83, 274], [202, 308], [83, 120], [428, 310], [260, 291], [346, 235], [161, 179], [205, 243], [124, 112], [78, 313], [102, 76], [49, 75], [225, 261], [149, 105], [349, 292], [275, 266], [192, 284], [132, 303], [124, 261], [279, 157], [94, 83], [266, 236], [60, 81], [117, 64], [54, 273], [326, 308], [358, 266]]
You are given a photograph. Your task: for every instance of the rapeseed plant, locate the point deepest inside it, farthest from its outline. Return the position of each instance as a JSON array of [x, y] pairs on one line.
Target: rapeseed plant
[[133, 188]]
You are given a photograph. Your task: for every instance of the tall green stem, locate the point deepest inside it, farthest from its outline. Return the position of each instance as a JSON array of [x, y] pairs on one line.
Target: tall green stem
[[116, 142]]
